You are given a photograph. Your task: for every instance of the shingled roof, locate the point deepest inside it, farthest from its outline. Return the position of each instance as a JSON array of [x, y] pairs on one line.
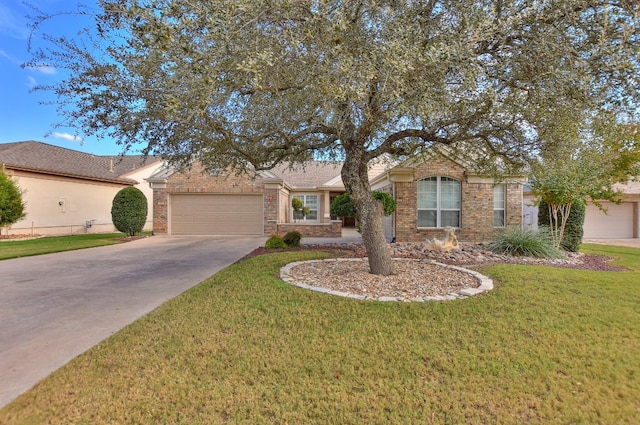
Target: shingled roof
[[308, 175], [48, 159], [315, 174]]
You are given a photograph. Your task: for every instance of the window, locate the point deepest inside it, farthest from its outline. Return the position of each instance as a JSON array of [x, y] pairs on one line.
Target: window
[[310, 201], [438, 202], [499, 205]]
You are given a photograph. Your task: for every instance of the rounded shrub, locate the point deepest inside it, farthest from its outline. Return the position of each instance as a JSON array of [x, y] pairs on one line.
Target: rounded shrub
[[275, 242], [129, 210], [574, 229], [292, 238]]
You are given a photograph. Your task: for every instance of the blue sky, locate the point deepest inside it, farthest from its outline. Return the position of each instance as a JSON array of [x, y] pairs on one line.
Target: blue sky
[[22, 117]]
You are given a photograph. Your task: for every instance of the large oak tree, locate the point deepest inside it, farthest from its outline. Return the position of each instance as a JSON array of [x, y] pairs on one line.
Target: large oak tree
[[237, 82]]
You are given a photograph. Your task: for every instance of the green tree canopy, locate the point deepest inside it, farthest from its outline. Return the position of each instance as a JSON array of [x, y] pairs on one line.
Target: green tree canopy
[[231, 82], [12, 207]]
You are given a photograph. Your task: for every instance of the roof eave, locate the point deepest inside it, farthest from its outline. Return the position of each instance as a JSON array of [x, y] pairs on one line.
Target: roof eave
[[128, 182]]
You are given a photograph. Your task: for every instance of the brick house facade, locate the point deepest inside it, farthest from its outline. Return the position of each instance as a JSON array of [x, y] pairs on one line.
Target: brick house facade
[[476, 222], [271, 194]]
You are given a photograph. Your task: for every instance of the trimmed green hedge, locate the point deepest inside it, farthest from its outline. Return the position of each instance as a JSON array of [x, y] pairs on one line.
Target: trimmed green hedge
[[129, 210]]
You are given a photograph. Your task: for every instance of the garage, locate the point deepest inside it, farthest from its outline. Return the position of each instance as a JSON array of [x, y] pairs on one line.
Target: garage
[[617, 223], [216, 214]]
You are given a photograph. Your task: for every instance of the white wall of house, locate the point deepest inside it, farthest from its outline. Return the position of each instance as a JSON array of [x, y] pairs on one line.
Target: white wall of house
[[529, 213], [57, 205], [61, 205]]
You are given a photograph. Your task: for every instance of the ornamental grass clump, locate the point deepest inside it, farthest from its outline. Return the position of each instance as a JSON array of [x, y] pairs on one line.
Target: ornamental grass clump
[[525, 243]]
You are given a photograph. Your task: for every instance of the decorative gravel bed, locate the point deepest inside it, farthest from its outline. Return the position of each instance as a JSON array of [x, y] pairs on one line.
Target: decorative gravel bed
[[415, 280]]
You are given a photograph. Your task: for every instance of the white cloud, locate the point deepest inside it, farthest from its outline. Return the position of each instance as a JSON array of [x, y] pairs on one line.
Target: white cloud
[[49, 70], [7, 56], [68, 136], [32, 82]]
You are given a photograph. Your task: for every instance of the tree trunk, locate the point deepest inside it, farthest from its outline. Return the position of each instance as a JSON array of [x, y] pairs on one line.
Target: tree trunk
[[369, 213], [558, 216]]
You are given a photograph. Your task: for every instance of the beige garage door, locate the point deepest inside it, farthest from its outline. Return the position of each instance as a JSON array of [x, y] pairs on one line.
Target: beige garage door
[[203, 214], [616, 224]]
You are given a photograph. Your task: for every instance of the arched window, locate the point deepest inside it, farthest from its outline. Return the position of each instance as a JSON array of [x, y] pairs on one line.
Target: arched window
[[438, 202]]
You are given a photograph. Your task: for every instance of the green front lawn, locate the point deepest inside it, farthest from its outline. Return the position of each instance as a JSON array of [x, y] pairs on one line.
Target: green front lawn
[[48, 245], [546, 346]]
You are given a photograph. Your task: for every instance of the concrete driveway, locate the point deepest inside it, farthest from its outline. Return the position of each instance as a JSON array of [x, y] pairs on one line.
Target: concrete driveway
[[54, 307], [632, 243]]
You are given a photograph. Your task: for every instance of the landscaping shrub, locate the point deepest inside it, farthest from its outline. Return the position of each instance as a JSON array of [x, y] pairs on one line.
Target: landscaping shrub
[[292, 238], [525, 243], [342, 206], [574, 229], [129, 210], [275, 242], [11, 205]]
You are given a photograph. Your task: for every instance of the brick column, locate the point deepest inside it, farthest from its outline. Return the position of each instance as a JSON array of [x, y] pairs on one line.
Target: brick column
[[271, 211], [160, 209]]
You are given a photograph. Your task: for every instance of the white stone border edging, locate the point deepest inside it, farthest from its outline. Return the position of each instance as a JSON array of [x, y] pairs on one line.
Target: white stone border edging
[[486, 284]]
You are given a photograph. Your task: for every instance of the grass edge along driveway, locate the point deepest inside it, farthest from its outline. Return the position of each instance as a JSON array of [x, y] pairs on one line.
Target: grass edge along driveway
[[547, 345], [50, 244]]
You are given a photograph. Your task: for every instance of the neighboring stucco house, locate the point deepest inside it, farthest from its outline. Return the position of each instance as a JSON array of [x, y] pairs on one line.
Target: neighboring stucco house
[[618, 221], [431, 195], [69, 192]]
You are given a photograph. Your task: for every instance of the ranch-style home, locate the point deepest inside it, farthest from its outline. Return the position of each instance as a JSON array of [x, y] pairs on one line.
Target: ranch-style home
[[432, 193], [71, 192]]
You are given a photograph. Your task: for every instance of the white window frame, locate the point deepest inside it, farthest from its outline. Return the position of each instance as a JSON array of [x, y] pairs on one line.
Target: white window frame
[[438, 209], [500, 205], [304, 197]]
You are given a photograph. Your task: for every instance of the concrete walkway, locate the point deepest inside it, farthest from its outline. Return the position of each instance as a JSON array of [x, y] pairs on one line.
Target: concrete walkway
[[54, 307]]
